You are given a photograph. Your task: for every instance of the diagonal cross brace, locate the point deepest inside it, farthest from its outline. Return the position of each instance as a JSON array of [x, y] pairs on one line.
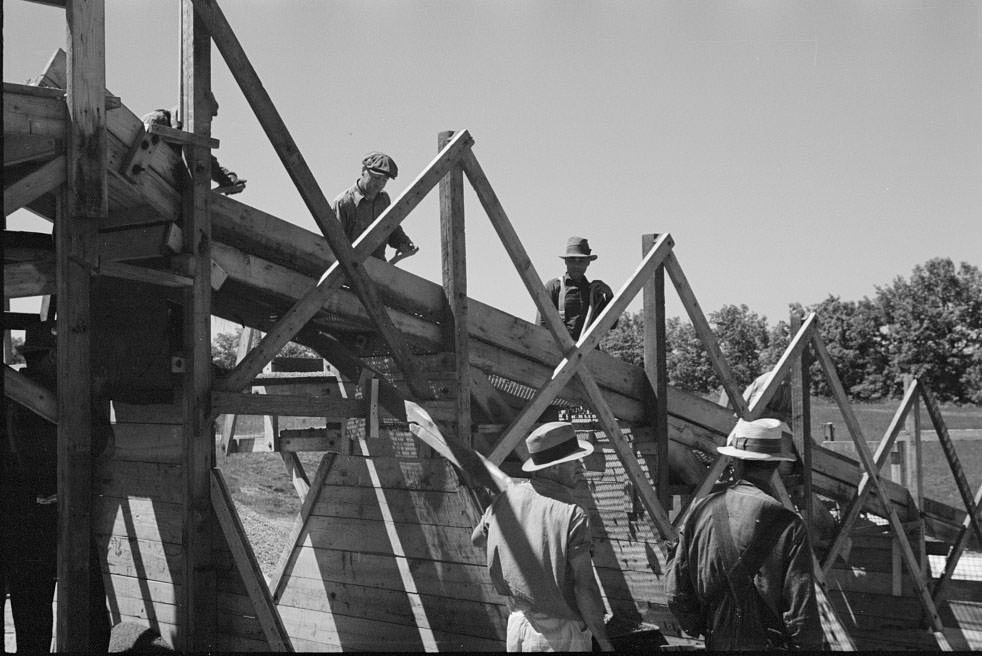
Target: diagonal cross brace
[[862, 491], [575, 356], [523, 422], [295, 318], [719, 465], [317, 203], [706, 334], [855, 430], [971, 523]]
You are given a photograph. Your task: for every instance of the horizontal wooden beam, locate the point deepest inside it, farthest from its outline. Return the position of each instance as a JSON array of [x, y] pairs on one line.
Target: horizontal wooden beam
[[143, 274], [47, 178], [290, 405], [24, 279], [141, 242], [21, 148], [21, 389], [20, 320], [175, 136]]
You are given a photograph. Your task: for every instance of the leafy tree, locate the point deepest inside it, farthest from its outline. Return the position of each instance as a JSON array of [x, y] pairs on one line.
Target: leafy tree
[[778, 340], [626, 340], [933, 328], [686, 362], [225, 345], [16, 342], [743, 336], [851, 333]]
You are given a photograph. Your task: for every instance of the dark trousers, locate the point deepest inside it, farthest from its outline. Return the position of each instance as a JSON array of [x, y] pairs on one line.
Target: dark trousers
[[29, 569]]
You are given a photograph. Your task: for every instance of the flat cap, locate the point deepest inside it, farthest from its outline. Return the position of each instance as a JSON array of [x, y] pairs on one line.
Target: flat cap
[[380, 163]]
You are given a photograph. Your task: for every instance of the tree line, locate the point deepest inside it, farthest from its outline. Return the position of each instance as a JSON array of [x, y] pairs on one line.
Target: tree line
[[928, 325]]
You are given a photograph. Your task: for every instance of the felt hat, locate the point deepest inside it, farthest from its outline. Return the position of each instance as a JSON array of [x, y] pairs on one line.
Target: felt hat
[[761, 439], [380, 163], [39, 337], [553, 443], [578, 247]]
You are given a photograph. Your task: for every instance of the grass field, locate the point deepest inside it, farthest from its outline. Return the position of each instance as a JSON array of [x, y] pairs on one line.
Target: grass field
[[874, 420]]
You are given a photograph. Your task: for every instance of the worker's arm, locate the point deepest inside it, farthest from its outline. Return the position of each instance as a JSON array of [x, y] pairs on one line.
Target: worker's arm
[[479, 538], [679, 589], [552, 289], [801, 616], [588, 600]]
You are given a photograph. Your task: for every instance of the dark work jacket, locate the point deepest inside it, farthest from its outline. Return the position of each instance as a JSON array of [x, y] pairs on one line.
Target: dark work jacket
[[697, 587], [577, 302]]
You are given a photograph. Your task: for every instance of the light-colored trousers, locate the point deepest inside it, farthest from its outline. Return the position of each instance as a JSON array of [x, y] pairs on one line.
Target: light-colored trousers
[[528, 631]]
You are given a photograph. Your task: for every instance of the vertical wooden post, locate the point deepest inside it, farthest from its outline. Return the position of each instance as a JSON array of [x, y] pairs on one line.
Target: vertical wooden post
[[915, 475], [453, 248], [801, 419], [915, 471], [199, 598], [76, 247], [654, 369], [8, 347]]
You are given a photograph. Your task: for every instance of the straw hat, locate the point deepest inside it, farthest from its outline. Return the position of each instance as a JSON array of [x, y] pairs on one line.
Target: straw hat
[[762, 439], [554, 443]]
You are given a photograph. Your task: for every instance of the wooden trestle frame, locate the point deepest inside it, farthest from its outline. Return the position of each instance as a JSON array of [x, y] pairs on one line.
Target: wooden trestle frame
[[82, 174]]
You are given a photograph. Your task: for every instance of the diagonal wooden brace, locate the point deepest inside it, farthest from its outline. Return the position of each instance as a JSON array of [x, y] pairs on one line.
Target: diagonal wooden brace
[[376, 234], [350, 261], [533, 284], [705, 334], [574, 357], [907, 553], [862, 491], [971, 523]]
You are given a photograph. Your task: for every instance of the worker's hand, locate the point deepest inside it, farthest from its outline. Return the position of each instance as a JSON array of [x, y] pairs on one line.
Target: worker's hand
[[406, 250], [605, 645]]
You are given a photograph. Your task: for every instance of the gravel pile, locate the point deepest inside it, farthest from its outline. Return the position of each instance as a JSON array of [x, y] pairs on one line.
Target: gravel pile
[[268, 535]]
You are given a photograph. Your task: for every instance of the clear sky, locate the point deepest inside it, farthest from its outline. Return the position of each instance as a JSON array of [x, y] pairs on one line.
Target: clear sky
[[793, 149]]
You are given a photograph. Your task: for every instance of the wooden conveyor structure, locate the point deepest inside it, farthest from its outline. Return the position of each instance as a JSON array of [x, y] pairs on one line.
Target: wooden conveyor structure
[[143, 254]]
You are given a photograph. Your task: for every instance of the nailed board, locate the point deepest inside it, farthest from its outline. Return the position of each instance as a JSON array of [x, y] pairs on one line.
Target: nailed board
[[399, 574]]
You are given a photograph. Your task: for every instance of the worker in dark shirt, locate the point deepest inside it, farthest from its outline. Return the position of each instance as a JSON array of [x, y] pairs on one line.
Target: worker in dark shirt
[[29, 521], [228, 181], [359, 205], [742, 573], [578, 300]]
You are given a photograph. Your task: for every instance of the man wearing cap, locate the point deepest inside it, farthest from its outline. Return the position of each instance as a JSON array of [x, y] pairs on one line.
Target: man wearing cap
[[578, 300], [539, 549], [358, 207], [742, 572]]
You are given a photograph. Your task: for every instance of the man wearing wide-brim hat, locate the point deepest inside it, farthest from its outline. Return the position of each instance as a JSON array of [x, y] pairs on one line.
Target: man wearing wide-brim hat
[[539, 549], [578, 300], [742, 574]]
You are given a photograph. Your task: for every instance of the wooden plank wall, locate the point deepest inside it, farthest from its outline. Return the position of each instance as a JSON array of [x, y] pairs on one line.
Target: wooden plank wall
[[138, 523], [875, 597], [398, 574], [138, 520]]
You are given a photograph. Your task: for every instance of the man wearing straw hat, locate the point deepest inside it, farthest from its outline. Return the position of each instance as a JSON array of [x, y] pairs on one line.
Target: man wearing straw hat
[[539, 549], [742, 572], [578, 300]]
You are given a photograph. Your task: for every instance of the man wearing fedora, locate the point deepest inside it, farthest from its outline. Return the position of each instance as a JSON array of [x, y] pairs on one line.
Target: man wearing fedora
[[539, 549], [359, 206], [578, 300], [742, 572]]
